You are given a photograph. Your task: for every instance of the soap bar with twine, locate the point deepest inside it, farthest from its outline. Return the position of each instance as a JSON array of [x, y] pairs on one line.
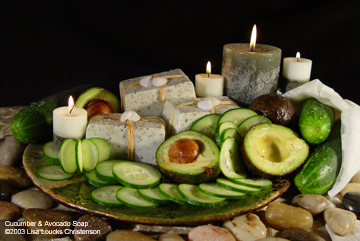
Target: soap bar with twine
[[146, 95]]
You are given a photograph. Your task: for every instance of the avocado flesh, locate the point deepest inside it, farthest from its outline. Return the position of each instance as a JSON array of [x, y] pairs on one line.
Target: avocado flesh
[[271, 150], [98, 93], [204, 168]]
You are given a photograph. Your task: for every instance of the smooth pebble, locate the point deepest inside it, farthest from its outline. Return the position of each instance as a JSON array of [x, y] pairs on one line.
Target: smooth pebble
[[90, 222], [32, 199], [210, 233], [8, 211], [127, 235], [339, 220], [315, 204], [5, 191], [297, 234], [246, 227], [7, 237], [11, 151], [356, 178], [350, 187], [15, 177], [170, 237], [281, 216]]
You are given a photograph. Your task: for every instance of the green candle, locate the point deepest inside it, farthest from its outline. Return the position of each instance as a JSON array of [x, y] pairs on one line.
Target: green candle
[[250, 71]]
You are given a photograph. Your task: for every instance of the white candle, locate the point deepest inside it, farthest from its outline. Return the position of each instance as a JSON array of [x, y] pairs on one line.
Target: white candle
[[209, 84], [69, 125], [296, 71]]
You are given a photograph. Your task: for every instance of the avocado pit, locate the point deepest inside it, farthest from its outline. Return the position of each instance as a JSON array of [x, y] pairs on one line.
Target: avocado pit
[[184, 151], [96, 107]]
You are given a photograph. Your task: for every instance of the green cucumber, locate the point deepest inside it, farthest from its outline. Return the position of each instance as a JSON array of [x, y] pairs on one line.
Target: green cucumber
[[53, 173], [321, 169], [170, 191], [49, 154], [236, 115], [230, 132], [231, 163], [153, 195], [194, 196], [206, 125], [91, 178], [103, 147], [136, 174], [107, 195], [79, 156], [221, 128], [130, 197], [261, 183], [251, 121], [90, 154], [315, 121], [230, 185], [104, 171], [215, 190], [67, 156]]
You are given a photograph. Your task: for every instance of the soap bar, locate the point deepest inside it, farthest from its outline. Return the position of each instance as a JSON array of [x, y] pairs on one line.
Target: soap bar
[[147, 101], [148, 134], [180, 113]]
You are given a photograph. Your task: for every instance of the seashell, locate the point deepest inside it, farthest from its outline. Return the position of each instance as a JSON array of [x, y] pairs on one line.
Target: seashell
[[214, 101], [126, 115], [146, 81], [134, 116], [158, 81], [205, 104]]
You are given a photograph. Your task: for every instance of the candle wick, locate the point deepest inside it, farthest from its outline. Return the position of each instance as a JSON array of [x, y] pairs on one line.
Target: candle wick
[[297, 59], [72, 109], [208, 75], [251, 48]]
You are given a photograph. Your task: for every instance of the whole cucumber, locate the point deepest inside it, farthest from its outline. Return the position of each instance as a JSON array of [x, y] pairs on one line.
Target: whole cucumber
[[34, 122], [321, 169], [315, 121]]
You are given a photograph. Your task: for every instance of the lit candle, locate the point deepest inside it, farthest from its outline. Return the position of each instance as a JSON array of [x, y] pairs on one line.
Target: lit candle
[[296, 71], [69, 122], [209, 84], [250, 71]]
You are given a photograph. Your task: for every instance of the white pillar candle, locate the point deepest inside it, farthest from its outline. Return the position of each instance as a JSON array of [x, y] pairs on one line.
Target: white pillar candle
[[208, 84], [69, 125], [296, 71]]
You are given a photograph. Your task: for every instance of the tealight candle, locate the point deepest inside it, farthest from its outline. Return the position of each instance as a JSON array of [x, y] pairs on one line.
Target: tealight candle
[[296, 71], [208, 84], [250, 71], [69, 122]]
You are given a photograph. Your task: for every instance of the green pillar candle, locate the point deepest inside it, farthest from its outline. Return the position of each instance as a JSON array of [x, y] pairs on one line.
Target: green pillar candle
[[249, 74]]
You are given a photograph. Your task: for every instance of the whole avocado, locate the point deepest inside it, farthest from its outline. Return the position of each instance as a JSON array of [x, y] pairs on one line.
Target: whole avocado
[[275, 107]]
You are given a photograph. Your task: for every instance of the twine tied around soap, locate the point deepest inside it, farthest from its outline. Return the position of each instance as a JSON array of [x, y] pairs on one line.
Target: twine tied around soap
[[172, 113], [161, 89], [131, 133]]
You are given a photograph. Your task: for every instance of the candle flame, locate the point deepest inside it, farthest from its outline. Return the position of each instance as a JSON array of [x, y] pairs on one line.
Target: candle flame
[[71, 105], [208, 68], [298, 56], [253, 38]]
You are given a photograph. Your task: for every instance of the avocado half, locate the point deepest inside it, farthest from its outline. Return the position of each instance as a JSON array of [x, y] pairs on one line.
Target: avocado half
[[98, 93], [272, 151], [203, 169]]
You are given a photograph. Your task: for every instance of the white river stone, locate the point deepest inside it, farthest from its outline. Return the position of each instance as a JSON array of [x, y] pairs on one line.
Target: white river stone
[[339, 220], [246, 227]]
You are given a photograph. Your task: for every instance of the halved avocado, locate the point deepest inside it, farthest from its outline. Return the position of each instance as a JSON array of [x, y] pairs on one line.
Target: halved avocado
[[203, 168], [98, 93], [272, 151]]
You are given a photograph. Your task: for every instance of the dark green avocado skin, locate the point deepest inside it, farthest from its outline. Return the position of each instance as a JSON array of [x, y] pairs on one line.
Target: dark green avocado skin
[[275, 107]]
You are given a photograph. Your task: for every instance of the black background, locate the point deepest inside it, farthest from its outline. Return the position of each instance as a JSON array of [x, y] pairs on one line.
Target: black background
[[50, 46]]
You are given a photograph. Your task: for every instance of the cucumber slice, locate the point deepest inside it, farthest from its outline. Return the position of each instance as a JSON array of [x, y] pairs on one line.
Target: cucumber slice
[[136, 174], [90, 154], [67, 156], [104, 171], [215, 190], [255, 182], [107, 195], [91, 178], [50, 156], [130, 197], [230, 132], [237, 115], [153, 195], [53, 173], [170, 191], [221, 128], [228, 184], [103, 147], [193, 195], [79, 156], [231, 163], [206, 125], [251, 121]]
